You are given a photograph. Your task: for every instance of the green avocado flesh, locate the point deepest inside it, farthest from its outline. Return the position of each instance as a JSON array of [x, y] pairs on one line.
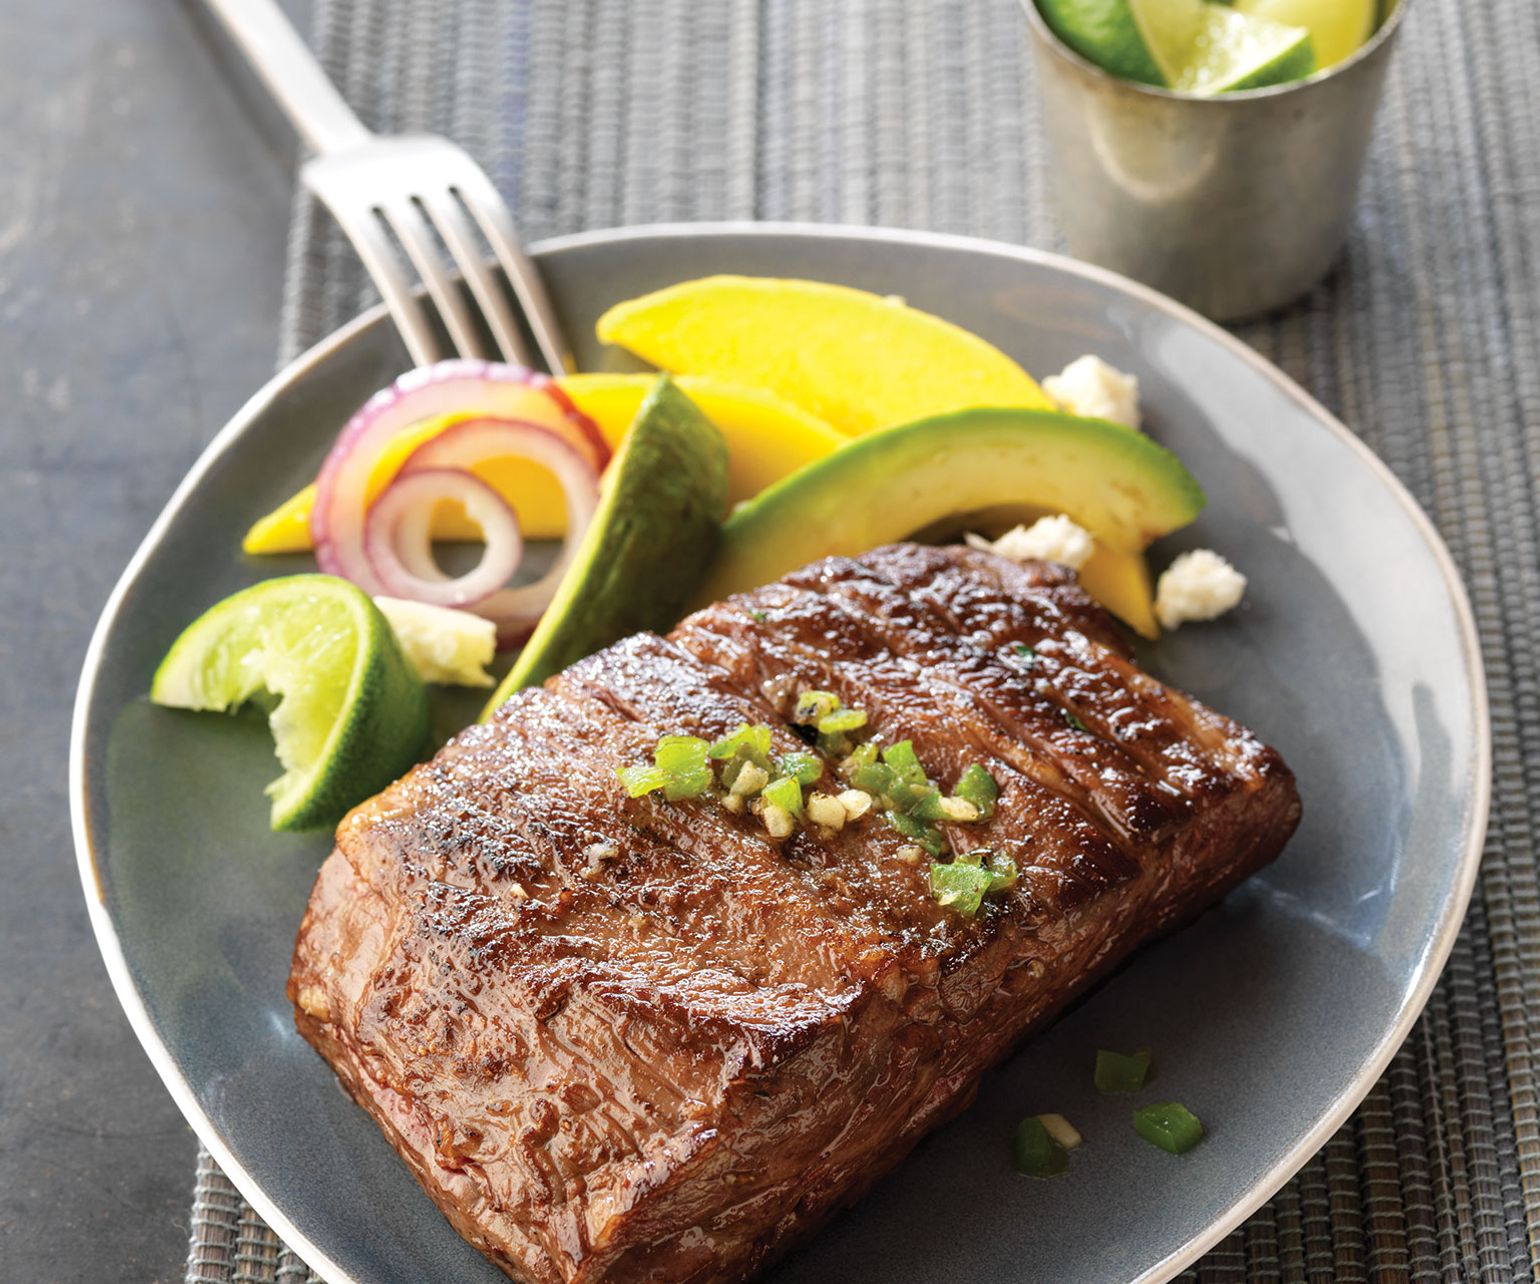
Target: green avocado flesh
[[648, 545], [885, 486]]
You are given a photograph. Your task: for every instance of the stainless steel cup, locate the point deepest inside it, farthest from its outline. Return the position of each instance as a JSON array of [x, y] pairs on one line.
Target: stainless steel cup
[[1236, 204]]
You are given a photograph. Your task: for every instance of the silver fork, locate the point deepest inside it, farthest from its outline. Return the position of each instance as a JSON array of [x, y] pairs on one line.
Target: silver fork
[[418, 192]]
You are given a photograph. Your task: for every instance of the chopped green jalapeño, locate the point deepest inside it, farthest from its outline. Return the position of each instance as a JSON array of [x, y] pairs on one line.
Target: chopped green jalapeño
[[960, 886], [903, 759], [813, 706], [1169, 1125], [977, 786], [751, 742], [679, 768], [1118, 1072], [683, 760], [1037, 1153], [1002, 872], [916, 831], [801, 766], [841, 721], [785, 793], [642, 779]]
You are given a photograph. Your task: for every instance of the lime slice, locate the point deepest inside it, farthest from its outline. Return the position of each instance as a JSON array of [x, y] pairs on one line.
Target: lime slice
[[1338, 28], [1234, 51], [350, 715], [1144, 40]]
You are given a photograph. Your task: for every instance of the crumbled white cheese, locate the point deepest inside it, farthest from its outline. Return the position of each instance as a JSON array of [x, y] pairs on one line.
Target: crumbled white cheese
[[1199, 585], [443, 645], [1092, 389], [826, 810], [1049, 539], [910, 855]]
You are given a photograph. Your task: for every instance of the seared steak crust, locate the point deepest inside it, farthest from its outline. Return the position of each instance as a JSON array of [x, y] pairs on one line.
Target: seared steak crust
[[624, 1039]]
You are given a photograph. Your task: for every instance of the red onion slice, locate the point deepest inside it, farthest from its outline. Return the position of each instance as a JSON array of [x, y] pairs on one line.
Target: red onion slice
[[450, 387], [398, 538], [462, 446]]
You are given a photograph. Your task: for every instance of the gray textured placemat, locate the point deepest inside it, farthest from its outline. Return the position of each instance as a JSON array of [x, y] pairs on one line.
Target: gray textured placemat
[[919, 113]]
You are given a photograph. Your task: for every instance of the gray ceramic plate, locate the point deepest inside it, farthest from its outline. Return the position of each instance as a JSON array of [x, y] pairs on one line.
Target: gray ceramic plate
[[1271, 1017]]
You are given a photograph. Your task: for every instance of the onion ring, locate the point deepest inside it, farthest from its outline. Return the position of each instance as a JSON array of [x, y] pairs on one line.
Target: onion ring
[[384, 544], [450, 387], [398, 538]]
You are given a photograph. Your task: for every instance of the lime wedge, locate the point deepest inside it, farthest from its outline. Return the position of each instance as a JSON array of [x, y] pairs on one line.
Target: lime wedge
[[350, 714], [1144, 40], [1338, 28], [1233, 51]]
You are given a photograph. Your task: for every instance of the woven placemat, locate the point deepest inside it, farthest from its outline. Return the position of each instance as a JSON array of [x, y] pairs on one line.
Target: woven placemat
[[920, 113]]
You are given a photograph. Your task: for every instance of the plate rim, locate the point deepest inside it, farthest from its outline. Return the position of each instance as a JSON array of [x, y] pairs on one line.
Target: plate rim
[[1428, 969]]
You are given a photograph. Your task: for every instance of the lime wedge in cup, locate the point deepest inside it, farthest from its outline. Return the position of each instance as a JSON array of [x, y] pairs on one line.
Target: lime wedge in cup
[[1144, 40], [1233, 51], [347, 711], [1338, 28], [1190, 46]]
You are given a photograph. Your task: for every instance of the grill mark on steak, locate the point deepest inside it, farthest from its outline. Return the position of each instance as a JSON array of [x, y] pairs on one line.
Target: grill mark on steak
[[1044, 821], [978, 671], [1048, 832], [676, 1060]]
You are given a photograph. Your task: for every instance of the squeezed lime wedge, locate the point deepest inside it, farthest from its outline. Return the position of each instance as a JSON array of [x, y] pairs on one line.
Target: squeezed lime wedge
[[347, 712]]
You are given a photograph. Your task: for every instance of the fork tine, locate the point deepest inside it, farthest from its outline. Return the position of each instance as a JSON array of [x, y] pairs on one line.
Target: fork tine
[[417, 240], [446, 215], [379, 260], [487, 207]]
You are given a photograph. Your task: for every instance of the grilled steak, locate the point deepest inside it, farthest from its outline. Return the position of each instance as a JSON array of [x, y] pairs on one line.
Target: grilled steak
[[627, 1039]]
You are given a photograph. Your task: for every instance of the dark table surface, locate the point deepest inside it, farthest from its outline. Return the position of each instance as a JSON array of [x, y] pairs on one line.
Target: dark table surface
[[144, 199]]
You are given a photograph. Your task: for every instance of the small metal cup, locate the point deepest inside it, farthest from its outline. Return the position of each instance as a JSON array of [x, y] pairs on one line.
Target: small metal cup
[[1236, 204]]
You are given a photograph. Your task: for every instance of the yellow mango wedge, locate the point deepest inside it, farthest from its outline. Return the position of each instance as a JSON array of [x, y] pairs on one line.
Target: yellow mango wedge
[[766, 437], [855, 360]]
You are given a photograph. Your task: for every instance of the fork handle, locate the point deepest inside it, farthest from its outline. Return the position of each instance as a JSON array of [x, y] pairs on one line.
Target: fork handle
[[291, 74]]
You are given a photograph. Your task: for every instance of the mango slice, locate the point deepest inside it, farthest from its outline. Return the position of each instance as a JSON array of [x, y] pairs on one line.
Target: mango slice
[[855, 360], [766, 437]]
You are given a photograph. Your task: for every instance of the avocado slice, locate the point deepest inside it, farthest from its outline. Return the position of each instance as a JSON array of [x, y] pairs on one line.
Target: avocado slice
[[649, 543], [1121, 486]]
